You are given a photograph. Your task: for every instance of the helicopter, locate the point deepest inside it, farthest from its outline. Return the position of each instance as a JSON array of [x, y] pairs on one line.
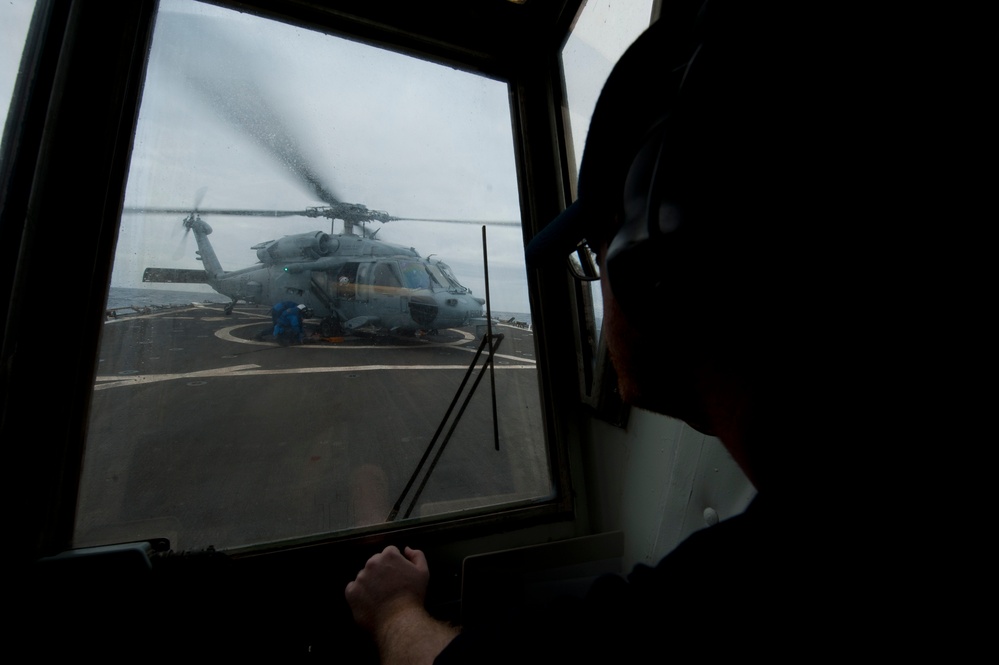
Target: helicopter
[[352, 282]]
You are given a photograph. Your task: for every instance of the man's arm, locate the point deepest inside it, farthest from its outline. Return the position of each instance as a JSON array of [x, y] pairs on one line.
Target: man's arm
[[387, 599]]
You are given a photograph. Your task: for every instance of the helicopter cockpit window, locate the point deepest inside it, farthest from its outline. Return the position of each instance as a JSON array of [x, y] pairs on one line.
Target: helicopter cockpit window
[[440, 279], [415, 275], [252, 392], [346, 281], [445, 270], [385, 275]]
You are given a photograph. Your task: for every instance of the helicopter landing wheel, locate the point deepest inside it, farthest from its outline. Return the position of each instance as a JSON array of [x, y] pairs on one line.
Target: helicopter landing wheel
[[228, 308], [330, 327]]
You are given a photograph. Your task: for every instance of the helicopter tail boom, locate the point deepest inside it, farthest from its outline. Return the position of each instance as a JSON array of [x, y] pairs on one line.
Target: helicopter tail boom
[[175, 276], [206, 254]]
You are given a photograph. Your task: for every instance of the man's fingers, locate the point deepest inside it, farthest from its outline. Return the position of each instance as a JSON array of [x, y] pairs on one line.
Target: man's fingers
[[416, 558], [381, 564]]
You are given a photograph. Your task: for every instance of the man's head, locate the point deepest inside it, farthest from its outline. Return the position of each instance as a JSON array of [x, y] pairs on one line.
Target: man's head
[[695, 150], [696, 187]]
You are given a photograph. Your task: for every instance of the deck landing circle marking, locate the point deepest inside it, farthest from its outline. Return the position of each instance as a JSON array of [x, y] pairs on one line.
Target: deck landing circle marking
[[227, 335]]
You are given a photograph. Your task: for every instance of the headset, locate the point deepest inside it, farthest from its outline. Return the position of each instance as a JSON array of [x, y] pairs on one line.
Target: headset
[[649, 244]]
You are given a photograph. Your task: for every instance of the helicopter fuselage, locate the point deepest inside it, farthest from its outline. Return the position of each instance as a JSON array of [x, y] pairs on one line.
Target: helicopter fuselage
[[351, 283]]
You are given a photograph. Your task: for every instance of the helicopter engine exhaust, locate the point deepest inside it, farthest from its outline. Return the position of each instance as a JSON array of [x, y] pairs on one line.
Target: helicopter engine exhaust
[[297, 247]]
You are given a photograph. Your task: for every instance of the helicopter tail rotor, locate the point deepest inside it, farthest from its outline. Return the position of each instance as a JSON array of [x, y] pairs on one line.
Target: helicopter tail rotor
[[189, 221]]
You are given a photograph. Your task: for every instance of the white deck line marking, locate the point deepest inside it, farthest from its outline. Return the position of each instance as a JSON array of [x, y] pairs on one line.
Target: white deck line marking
[[226, 334], [106, 382], [530, 361]]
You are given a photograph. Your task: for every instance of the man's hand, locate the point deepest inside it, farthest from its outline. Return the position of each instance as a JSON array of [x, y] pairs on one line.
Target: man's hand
[[386, 599], [390, 582]]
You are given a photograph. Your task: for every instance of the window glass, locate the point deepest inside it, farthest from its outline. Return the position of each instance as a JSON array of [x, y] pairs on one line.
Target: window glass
[[385, 275], [15, 16], [439, 278], [445, 270], [603, 30], [416, 275], [273, 164]]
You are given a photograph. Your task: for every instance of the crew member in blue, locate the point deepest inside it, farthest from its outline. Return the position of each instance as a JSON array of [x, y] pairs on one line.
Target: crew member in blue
[[288, 322], [280, 307]]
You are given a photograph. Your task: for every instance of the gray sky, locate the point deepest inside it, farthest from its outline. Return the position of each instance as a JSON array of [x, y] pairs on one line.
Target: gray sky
[[14, 18], [384, 130], [601, 34], [381, 129]]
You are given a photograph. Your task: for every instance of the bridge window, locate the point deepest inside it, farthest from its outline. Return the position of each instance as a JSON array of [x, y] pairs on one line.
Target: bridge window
[[202, 429], [601, 34], [14, 17]]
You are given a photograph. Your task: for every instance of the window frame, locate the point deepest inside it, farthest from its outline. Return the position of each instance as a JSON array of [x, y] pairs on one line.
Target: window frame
[[92, 59]]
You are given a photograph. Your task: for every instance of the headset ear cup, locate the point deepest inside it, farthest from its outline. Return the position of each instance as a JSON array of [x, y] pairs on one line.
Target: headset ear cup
[[642, 256], [637, 275]]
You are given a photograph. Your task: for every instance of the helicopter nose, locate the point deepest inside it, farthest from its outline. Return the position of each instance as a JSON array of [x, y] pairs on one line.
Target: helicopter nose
[[423, 310]]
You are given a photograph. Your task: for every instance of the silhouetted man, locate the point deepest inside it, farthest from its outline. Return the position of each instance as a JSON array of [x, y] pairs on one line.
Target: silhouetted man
[[711, 192]]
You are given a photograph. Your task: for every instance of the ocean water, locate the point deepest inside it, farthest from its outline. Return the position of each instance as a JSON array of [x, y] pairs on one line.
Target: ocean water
[[125, 298]]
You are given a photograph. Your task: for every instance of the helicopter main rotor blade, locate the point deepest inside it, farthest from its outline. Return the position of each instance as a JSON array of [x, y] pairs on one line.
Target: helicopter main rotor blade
[[199, 196], [230, 80], [242, 103], [310, 213], [455, 221], [222, 211]]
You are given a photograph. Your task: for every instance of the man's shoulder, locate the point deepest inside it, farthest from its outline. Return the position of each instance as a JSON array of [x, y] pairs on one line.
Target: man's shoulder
[[768, 551], [753, 579]]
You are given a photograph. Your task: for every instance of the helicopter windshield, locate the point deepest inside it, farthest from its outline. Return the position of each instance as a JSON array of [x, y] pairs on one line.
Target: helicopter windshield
[[443, 274]]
